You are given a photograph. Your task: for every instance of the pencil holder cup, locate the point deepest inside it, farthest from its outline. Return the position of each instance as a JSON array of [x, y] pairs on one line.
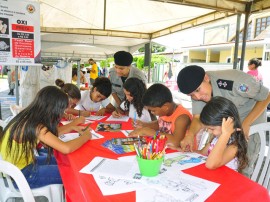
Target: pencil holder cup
[[149, 167]]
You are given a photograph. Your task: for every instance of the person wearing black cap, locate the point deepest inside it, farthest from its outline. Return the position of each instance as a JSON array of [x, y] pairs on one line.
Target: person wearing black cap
[[121, 71], [250, 97]]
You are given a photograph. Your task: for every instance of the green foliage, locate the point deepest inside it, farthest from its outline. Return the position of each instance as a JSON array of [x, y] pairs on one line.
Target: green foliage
[[106, 63], [156, 48], [158, 59], [139, 60]]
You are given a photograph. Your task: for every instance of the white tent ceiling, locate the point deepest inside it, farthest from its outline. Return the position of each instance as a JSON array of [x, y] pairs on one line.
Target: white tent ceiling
[[98, 28]]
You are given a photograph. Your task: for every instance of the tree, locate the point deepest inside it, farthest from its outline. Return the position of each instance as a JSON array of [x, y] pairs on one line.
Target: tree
[[156, 48], [139, 60], [158, 59], [106, 63]]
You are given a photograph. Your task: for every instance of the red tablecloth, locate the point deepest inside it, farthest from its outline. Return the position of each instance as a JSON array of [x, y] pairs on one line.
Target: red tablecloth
[[82, 187]]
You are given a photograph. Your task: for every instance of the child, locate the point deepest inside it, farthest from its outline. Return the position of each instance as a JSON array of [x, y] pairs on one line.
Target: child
[[134, 89], [93, 100], [74, 78], [253, 65], [173, 120], [228, 147], [38, 123], [73, 93]]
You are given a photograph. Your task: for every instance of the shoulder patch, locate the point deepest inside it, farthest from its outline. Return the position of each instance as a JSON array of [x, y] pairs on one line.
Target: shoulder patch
[[225, 84], [243, 88]]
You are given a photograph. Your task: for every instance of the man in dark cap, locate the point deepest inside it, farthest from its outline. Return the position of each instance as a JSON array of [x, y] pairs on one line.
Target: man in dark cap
[[121, 71], [250, 97]]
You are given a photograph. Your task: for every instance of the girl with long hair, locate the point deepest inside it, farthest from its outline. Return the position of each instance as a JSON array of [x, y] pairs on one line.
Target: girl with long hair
[[38, 123], [132, 106], [228, 146]]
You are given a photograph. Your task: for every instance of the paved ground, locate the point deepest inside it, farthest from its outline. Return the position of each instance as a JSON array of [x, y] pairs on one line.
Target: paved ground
[[5, 99]]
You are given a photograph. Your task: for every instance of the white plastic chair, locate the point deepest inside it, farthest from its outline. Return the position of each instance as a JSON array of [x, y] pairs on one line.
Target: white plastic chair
[[261, 173], [8, 170], [2, 124], [54, 193], [15, 109]]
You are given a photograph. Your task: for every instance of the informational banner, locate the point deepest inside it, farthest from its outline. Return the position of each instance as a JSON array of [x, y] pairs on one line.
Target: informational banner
[[19, 32]]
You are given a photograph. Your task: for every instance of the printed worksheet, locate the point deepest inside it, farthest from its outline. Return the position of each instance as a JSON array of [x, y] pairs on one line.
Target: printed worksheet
[[181, 186], [112, 168], [183, 160], [154, 195], [120, 119], [71, 136], [94, 118], [110, 185], [67, 122], [126, 132]]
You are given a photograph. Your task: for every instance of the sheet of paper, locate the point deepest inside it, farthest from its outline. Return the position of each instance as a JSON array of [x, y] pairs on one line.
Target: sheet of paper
[[110, 185], [67, 122], [183, 160], [94, 118], [112, 168], [71, 136], [153, 195], [96, 135], [182, 186], [121, 119], [126, 132]]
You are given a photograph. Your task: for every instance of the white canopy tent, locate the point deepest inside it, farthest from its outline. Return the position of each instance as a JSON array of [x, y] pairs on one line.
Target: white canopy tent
[[98, 28]]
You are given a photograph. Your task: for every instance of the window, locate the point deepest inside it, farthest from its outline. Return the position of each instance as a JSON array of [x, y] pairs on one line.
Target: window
[[241, 34], [261, 24]]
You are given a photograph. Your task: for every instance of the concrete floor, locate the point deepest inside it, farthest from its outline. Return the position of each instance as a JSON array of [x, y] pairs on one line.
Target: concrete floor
[[5, 99]]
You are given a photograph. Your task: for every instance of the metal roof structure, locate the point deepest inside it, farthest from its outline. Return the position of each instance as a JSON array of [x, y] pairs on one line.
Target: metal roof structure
[[98, 28]]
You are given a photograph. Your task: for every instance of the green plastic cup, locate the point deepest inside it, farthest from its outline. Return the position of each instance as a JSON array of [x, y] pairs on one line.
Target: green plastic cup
[[149, 168]]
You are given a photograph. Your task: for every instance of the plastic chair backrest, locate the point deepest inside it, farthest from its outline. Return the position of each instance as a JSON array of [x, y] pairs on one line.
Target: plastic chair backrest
[[8, 170], [261, 172], [2, 124], [53, 192]]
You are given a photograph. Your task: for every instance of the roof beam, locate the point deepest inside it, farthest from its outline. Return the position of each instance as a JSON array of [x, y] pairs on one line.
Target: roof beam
[[96, 32], [192, 23], [259, 5], [235, 6]]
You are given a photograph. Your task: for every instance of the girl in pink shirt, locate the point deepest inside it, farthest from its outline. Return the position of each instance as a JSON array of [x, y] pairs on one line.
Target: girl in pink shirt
[[253, 65]]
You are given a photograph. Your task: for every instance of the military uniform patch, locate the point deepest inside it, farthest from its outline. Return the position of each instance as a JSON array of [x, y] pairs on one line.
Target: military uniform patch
[[243, 88], [225, 84]]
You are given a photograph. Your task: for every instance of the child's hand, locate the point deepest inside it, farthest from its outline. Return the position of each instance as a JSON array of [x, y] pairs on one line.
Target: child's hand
[[228, 126], [101, 112], [135, 133], [69, 117], [116, 114], [78, 120], [187, 143], [77, 128], [86, 133], [85, 113], [172, 146], [137, 123], [142, 132]]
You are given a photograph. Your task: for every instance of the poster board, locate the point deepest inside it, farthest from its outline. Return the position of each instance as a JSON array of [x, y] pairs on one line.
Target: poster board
[[20, 42]]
